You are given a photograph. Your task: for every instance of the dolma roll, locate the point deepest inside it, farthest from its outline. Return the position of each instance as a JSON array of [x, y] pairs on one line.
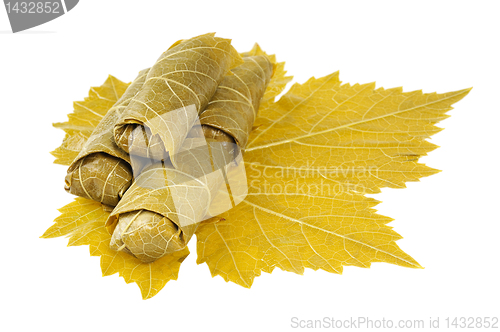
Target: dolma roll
[[178, 87], [234, 107], [161, 210], [102, 171]]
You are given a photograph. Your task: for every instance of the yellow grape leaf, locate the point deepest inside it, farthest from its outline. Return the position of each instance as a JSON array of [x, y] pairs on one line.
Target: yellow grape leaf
[[83, 221], [86, 117], [310, 160]]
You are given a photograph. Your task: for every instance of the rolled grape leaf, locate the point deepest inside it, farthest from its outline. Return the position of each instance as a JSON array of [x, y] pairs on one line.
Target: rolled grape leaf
[[178, 87], [234, 107], [163, 208], [102, 171]]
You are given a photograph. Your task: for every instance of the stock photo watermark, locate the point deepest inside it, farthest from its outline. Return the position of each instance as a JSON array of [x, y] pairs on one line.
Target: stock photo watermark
[[364, 322], [25, 15], [309, 179]]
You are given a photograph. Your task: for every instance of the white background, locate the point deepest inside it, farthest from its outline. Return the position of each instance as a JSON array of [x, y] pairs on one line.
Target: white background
[[449, 221]]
